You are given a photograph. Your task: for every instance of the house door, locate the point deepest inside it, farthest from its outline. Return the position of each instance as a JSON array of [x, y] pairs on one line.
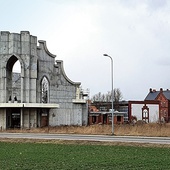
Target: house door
[[44, 118]]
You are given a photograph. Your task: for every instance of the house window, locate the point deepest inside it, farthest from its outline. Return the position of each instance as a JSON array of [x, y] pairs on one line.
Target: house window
[[119, 118], [145, 113]]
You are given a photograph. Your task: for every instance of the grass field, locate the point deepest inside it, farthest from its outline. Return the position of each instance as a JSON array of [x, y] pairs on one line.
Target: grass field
[[49, 156]]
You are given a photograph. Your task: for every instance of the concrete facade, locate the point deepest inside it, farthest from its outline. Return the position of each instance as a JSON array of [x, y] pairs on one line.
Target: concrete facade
[[41, 94]]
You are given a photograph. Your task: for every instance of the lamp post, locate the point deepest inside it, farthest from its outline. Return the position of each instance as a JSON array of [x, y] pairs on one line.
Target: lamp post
[[111, 91]]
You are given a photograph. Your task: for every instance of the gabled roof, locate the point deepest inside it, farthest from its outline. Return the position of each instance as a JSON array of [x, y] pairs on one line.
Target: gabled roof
[[167, 94], [153, 94]]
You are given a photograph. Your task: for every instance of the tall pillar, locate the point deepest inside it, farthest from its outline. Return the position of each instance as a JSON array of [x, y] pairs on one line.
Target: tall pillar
[[21, 126], [22, 89], [28, 119]]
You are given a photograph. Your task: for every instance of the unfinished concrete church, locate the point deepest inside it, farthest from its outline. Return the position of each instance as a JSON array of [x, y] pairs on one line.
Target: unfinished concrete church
[[41, 94]]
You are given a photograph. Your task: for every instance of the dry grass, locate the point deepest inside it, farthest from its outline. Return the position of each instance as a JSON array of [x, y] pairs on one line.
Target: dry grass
[[154, 129], [151, 129]]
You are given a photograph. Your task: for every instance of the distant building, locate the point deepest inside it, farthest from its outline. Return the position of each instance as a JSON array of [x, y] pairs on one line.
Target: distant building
[[154, 108], [101, 113], [163, 96], [147, 111]]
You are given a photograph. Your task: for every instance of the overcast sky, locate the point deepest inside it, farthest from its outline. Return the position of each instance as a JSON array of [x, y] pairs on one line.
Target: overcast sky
[[136, 33]]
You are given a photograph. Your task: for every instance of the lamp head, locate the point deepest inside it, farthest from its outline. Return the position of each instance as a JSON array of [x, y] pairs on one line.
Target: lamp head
[[105, 55]]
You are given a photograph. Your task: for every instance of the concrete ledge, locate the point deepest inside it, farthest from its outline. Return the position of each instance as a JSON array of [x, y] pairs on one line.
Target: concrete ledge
[[29, 105], [79, 101]]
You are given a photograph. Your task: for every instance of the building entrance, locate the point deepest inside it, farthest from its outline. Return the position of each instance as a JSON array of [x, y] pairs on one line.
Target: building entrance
[[13, 118]]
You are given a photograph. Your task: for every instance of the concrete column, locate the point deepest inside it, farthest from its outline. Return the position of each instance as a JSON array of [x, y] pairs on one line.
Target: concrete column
[[32, 91], [27, 89], [3, 119], [5, 90], [22, 89], [21, 126], [29, 119], [35, 124]]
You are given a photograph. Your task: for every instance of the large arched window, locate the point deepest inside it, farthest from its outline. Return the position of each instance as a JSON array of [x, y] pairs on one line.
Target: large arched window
[[16, 81], [44, 90], [13, 72]]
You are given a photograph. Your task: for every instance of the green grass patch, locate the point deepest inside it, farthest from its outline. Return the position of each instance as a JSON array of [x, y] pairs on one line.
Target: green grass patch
[[76, 157]]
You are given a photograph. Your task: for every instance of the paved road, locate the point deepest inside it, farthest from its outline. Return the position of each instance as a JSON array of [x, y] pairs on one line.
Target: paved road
[[104, 138]]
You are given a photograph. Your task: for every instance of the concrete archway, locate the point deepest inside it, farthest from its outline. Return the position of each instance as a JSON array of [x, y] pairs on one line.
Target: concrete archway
[[13, 80], [13, 93]]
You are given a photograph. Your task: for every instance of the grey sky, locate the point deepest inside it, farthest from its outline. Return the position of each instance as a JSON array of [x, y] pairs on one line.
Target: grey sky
[[135, 33]]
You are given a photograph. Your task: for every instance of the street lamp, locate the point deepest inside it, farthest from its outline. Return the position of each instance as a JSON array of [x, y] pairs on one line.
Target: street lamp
[[112, 90]]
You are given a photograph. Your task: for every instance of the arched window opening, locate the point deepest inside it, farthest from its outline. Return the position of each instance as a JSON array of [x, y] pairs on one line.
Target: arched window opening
[[44, 90], [13, 80], [16, 82], [13, 91], [145, 114]]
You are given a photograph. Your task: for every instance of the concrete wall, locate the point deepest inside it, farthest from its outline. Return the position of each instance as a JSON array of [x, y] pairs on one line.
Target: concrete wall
[[66, 116], [3, 119]]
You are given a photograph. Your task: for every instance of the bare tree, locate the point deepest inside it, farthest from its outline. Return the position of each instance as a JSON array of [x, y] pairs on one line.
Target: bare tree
[[117, 96], [108, 96], [93, 98], [103, 97], [100, 96]]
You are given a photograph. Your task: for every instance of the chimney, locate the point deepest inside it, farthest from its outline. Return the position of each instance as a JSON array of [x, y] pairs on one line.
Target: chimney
[[150, 90], [161, 89]]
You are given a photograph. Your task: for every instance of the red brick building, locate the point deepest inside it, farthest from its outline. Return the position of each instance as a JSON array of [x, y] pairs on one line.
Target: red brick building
[[106, 117], [100, 113], [163, 96], [154, 108]]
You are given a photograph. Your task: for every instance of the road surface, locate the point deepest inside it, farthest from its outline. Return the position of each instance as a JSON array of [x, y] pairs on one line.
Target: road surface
[[103, 138]]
